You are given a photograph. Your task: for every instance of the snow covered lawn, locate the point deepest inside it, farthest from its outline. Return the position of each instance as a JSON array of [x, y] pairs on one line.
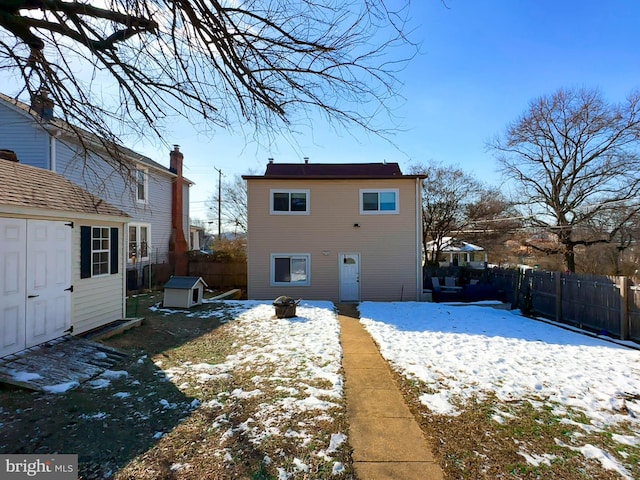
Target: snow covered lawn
[[272, 408], [462, 355]]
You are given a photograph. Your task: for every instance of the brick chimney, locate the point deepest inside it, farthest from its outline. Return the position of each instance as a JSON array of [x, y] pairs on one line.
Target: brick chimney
[[178, 243], [8, 155], [42, 104]]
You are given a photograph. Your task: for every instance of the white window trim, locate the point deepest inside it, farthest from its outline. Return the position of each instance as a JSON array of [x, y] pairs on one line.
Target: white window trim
[[307, 192], [145, 171], [272, 270], [101, 250], [138, 225], [378, 191]]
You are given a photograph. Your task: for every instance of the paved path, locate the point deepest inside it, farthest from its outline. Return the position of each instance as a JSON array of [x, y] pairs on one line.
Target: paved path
[[386, 439]]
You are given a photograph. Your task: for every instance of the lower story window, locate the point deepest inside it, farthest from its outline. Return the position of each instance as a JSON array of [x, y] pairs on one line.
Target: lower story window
[[290, 269], [138, 242]]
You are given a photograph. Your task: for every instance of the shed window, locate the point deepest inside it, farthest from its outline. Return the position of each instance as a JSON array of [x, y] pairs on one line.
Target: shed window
[[98, 251]]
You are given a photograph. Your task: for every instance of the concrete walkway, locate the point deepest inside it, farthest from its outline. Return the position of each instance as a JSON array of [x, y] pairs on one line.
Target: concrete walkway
[[386, 439]]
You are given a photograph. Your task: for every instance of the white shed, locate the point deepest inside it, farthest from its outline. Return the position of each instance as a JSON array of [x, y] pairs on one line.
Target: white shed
[[183, 292], [61, 258]]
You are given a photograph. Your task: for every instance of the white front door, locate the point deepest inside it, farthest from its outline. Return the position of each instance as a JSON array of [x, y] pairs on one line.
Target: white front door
[[48, 280], [35, 276], [349, 277], [13, 264]]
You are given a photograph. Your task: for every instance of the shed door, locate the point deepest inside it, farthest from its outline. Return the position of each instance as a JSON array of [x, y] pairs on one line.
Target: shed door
[[349, 277], [48, 280], [13, 264], [35, 276]]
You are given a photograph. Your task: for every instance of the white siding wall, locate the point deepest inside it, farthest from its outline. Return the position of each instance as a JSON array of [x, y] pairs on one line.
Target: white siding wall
[[97, 177], [32, 145], [100, 300]]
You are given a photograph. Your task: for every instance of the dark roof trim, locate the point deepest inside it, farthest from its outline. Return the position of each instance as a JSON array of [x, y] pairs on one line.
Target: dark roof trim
[[335, 171]]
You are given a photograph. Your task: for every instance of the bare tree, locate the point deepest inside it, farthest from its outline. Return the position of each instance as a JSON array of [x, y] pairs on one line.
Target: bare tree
[[233, 204], [256, 61], [573, 158], [491, 221], [446, 194]]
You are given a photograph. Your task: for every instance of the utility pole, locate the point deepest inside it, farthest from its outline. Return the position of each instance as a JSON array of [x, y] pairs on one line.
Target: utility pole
[[219, 201]]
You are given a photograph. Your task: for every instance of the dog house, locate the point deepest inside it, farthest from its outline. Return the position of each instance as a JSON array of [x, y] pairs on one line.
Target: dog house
[[183, 292]]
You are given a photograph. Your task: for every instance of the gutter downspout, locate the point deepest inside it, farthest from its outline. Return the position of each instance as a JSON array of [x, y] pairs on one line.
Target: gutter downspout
[[419, 285], [52, 153]]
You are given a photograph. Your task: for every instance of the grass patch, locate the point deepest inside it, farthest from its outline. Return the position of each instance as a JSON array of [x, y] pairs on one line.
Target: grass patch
[[183, 411], [525, 439]]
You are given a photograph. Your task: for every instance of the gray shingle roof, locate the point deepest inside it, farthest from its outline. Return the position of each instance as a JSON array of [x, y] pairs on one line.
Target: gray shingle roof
[[26, 186], [183, 283], [341, 170]]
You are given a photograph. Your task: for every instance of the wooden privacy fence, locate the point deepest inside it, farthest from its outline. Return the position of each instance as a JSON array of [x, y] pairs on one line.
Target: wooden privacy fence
[[220, 275], [602, 304]]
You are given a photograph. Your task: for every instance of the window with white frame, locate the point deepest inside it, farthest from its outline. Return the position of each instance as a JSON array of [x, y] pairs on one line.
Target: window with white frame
[[289, 202], [382, 201], [138, 242], [100, 257], [290, 269], [141, 178]]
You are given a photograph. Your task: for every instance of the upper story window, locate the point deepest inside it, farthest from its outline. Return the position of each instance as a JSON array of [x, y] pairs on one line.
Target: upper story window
[[142, 184], [289, 202], [383, 201]]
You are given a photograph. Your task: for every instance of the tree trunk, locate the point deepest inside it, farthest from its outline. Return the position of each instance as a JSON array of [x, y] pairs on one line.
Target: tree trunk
[[570, 258]]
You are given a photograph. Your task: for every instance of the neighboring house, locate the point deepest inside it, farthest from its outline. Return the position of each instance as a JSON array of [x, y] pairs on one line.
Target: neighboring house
[[196, 237], [155, 197], [61, 258], [457, 252], [339, 232]]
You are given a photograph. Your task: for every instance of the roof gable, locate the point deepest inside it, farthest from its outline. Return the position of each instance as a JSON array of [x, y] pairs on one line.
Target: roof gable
[[32, 187], [65, 128]]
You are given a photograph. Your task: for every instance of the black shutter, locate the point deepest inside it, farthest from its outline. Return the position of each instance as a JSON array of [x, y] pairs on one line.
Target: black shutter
[[85, 252], [114, 251]]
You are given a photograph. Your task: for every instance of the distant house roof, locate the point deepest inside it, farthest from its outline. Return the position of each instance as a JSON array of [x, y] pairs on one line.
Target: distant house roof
[[453, 245], [65, 128], [184, 283], [331, 170], [30, 187]]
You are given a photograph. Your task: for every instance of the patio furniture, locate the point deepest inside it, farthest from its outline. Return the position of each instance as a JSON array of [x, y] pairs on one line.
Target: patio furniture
[[450, 284]]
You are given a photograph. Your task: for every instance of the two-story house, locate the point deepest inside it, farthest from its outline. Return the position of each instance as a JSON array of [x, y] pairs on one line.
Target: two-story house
[[339, 232], [155, 197]]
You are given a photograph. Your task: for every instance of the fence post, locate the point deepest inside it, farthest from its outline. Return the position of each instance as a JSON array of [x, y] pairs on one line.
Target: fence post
[[557, 278], [623, 285]]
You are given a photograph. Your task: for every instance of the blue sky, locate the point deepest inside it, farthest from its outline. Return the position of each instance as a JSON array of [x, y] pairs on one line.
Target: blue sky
[[480, 65]]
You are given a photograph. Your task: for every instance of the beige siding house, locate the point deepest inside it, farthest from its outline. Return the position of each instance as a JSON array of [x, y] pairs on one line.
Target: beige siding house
[[338, 232], [62, 263]]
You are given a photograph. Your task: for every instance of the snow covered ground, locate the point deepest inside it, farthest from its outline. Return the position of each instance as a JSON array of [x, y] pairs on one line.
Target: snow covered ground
[[459, 352], [465, 351], [297, 358]]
